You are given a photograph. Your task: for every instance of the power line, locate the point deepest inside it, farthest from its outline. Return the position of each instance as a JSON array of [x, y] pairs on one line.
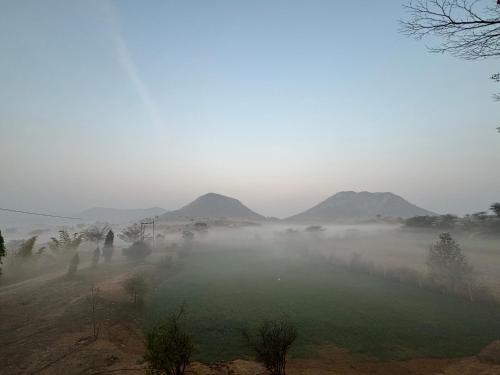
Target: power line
[[39, 214]]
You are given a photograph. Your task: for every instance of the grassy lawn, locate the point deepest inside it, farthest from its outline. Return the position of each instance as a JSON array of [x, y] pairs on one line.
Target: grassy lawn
[[226, 291]]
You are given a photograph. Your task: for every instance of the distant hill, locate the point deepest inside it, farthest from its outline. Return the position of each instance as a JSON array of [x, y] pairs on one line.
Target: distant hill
[[213, 206], [120, 215], [352, 206]]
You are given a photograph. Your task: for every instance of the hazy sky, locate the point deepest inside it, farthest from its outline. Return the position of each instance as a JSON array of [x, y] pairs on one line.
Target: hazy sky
[[277, 103]]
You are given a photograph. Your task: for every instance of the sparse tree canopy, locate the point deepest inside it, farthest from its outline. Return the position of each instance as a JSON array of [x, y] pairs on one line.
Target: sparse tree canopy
[[169, 347], [65, 242], [133, 233], [468, 29], [448, 265], [96, 233], [272, 343]]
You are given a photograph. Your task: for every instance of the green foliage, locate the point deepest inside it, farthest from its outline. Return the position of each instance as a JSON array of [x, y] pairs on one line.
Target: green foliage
[[169, 346], [448, 265], [136, 287], [228, 291], [272, 343], [138, 252], [132, 234], [65, 243], [108, 248]]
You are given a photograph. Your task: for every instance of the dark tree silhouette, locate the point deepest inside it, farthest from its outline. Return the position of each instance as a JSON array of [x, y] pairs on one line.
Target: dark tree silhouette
[[108, 249], [468, 29], [3, 252]]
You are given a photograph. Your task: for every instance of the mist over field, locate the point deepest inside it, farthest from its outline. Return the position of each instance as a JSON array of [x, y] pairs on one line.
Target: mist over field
[[249, 187]]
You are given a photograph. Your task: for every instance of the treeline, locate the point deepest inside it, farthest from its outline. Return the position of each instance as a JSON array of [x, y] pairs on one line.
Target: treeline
[[479, 222], [448, 271]]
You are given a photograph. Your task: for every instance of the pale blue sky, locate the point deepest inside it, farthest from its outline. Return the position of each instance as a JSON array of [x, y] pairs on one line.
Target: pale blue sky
[[277, 103]]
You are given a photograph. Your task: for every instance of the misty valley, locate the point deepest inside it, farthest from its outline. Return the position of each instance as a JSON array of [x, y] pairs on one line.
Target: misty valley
[[361, 280]]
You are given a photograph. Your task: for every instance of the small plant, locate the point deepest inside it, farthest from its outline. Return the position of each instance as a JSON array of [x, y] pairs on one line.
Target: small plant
[[169, 346], [93, 299], [136, 287], [272, 343]]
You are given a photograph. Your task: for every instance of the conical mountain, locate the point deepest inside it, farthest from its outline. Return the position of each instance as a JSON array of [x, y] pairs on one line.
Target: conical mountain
[[213, 206]]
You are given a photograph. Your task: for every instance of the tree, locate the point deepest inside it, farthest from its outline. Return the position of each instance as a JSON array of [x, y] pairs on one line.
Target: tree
[[464, 27], [136, 287], [3, 252], [65, 243], [272, 343], [96, 233], [169, 346], [465, 30], [133, 233], [495, 207], [108, 249], [26, 249], [448, 266], [73, 265]]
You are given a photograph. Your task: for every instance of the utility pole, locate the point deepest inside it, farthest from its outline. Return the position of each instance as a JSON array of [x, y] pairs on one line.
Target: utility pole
[[149, 222]]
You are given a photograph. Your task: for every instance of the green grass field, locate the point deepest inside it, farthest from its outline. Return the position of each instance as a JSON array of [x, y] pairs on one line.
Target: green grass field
[[226, 291]]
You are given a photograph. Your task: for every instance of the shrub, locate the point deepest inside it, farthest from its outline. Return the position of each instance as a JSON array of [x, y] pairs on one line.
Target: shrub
[[272, 343], [138, 252], [169, 347]]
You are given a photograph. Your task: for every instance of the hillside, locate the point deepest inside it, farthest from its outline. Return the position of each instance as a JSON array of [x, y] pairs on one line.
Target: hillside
[[352, 206], [214, 206]]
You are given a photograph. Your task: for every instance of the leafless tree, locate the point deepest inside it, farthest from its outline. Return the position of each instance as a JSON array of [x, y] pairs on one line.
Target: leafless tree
[[469, 29]]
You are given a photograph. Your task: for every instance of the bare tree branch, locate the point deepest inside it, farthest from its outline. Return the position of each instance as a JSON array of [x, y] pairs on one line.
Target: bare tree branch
[[469, 29]]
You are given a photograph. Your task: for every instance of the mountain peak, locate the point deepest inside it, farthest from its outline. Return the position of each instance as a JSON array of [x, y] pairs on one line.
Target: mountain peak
[[351, 206], [213, 205]]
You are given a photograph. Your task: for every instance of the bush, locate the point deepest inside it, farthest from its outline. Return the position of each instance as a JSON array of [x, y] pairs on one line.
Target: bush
[[274, 339], [169, 347], [136, 287], [138, 252]]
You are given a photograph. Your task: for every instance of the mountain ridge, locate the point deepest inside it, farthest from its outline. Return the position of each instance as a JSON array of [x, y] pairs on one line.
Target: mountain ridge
[[351, 205]]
